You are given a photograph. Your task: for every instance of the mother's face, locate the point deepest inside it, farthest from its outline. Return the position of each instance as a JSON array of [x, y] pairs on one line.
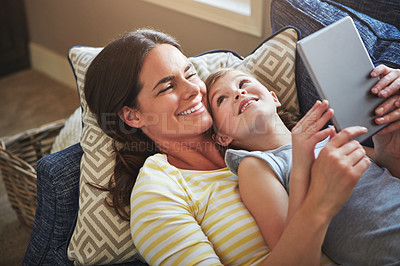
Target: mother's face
[[173, 98]]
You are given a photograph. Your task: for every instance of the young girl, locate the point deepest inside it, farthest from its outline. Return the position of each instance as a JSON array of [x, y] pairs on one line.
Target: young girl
[[366, 231]]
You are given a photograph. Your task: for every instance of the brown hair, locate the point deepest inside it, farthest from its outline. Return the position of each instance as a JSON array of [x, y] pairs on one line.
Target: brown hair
[[288, 118], [112, 81]]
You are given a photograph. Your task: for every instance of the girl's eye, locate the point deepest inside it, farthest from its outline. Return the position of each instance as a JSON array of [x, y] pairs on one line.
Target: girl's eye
[[242, 82], [220, 99]]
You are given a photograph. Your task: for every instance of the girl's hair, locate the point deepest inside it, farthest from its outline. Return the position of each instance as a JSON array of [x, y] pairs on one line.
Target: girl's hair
[[112, 81], [288, 118]]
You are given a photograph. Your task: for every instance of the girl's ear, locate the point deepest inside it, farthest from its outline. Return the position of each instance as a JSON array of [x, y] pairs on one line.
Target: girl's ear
[[276, 100], [222, 140], [131, 116]]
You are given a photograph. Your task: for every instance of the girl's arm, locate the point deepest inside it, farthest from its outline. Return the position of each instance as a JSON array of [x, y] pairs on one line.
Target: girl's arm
[[305, 135], [264, 196]]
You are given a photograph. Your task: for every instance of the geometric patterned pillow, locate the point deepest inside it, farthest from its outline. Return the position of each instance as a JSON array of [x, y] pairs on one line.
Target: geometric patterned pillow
[[273, 64], [100, 236]]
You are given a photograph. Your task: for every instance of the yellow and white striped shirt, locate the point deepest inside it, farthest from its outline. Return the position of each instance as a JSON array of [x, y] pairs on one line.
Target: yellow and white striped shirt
[[185, 217]]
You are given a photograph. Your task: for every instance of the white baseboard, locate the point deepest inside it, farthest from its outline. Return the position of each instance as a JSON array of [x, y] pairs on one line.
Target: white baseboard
[[52, 64]]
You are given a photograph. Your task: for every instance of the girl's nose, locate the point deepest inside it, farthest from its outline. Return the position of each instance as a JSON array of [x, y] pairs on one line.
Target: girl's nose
[[240, 92]]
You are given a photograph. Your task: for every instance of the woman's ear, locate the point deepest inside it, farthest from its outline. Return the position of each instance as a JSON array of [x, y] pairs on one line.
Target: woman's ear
[[222, 140], [276, 100], [131, 116]]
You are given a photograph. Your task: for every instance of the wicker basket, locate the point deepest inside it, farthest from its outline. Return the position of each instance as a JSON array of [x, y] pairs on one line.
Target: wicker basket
[[18, 158]]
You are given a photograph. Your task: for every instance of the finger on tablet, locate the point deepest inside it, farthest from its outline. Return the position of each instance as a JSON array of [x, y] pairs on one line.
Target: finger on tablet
[[346, 134]]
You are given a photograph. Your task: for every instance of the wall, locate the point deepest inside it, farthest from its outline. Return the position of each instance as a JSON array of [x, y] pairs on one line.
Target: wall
[[56, 26]]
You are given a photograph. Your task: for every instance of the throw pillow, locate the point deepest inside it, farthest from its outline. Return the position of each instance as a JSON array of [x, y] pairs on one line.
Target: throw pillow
[[100, 235], [71, 132]]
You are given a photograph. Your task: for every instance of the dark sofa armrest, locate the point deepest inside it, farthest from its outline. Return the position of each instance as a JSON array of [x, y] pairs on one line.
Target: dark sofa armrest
[[381, 40], [387, 11], [57, 207]]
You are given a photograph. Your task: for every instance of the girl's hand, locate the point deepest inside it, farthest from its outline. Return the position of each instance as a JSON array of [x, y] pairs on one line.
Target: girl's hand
[[337, 170], [306, 134]]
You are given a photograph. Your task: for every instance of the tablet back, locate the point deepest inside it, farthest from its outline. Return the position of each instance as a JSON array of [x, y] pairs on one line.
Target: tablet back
[[340, 68]]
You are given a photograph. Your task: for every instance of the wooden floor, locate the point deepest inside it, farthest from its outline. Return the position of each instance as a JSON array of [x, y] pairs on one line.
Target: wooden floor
[[28, 99]]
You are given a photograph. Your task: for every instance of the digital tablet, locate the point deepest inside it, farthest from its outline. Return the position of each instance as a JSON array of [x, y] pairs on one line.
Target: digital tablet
[[340, 68]]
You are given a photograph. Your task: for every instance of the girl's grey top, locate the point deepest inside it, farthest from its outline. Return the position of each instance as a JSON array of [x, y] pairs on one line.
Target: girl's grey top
[[366, 231]]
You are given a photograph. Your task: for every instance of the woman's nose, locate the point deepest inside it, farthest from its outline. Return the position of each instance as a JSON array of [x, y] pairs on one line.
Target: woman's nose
[[240, 92], [191, 89]]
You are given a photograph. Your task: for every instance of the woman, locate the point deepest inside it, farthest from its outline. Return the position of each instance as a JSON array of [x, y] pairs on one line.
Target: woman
[[185, 207]]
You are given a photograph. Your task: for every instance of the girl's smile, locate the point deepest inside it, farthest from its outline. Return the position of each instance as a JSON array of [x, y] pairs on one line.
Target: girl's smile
[[246, 103]]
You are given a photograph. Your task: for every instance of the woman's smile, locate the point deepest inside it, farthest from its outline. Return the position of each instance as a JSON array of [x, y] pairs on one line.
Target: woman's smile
[[198, 108]]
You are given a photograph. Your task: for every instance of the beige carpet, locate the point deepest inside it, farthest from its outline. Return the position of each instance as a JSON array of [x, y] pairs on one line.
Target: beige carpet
[[28, 99]]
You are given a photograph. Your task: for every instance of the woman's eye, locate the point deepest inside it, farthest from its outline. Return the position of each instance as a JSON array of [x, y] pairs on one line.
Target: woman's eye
[[242, 82], [191, 75], [166, 89]]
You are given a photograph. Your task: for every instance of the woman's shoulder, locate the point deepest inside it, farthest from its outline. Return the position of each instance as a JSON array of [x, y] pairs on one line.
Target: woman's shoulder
[[157, 171], [157, 163], [158, 158]]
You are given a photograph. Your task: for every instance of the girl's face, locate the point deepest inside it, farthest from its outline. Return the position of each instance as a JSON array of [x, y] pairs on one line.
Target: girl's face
[[172, 100], [241, 106]]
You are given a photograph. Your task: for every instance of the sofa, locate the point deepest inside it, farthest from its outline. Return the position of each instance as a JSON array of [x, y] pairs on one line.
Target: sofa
[[58, 174]]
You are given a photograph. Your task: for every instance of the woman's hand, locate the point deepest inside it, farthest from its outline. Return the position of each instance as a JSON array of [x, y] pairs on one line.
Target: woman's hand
[[337, 170], [387, 141], [389, 83], [387, 87]]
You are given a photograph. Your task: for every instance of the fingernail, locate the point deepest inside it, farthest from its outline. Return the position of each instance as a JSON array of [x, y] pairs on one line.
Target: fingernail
[[374, 90], [380, 120], [383, 94], [379, 111]]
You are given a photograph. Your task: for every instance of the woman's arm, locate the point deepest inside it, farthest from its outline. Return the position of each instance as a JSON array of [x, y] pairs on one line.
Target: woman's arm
[[334, 175], [267, 200], [387, 141], [387, 151]]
